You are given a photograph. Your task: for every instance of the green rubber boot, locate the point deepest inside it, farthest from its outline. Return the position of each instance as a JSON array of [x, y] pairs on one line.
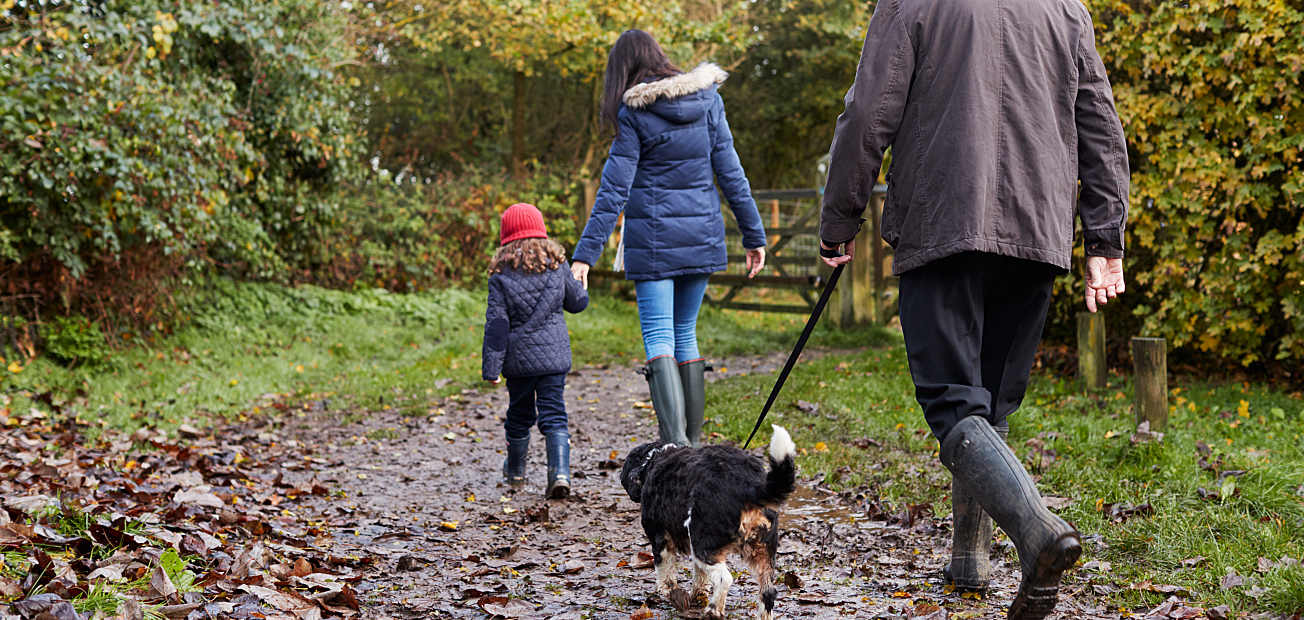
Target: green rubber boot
[[667, 398], [970, 568], [987, 470], [693, 377]]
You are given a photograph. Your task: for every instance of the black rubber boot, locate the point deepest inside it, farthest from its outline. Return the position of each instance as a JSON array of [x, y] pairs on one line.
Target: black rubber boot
[[693, 377], [514, 464], [558, 466], [970, 568], [988, 470], [667, 398]]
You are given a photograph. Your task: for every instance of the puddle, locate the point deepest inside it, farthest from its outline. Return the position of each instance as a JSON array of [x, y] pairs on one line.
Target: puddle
[[808, 502]]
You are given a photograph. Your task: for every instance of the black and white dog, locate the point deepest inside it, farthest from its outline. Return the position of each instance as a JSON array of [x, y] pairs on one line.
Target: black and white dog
[[708, 502]]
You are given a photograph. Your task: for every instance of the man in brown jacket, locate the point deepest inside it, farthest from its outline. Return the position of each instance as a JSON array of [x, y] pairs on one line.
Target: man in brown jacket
[[1002, 124]]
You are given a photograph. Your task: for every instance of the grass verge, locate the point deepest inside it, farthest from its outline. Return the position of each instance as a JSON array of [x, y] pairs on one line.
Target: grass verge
[[367, 348], [1222, 493]]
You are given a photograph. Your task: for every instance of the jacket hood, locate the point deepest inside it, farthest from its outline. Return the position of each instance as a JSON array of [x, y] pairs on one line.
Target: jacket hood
[[683, 98]]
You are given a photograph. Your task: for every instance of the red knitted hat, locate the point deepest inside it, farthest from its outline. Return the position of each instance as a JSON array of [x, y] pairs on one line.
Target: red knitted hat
[[522, 221]]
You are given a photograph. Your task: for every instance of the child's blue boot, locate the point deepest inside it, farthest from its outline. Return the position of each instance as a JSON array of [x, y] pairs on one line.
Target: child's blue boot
[[514, 464], [558, 466]]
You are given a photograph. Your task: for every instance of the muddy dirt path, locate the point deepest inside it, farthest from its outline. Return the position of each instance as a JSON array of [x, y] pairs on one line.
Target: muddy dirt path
[[423, 496]]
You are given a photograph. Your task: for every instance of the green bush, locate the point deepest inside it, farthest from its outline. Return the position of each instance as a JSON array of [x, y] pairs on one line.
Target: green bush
[[1210, 98], [75, 340], [406, 237], [210, 130]]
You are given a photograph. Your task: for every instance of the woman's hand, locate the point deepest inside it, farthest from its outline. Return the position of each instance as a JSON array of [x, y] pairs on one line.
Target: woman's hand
[[581, 272], [755, 261]]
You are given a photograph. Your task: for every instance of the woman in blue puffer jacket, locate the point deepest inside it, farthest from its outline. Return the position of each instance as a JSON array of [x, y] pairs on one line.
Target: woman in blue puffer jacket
[[672, 145]]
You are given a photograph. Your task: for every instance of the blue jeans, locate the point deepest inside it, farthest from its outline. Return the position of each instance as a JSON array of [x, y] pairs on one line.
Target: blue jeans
[[536, 400], [667, 312]]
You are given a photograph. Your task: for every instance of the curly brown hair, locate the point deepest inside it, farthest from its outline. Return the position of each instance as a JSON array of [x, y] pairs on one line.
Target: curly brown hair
[[533, 255]]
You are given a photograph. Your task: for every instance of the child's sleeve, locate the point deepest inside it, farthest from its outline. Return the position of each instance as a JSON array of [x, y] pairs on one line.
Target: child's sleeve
[[577, 299], [496, 332]]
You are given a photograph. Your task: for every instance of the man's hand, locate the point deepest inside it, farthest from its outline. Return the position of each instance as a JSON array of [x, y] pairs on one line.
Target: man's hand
[[1104, 280], [755, 261], [841, 260], [581, 272]]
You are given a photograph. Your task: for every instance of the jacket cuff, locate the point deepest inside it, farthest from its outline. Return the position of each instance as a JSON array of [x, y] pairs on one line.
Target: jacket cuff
[[834, 234], [1106, 242], [586, 256], [492, 365]]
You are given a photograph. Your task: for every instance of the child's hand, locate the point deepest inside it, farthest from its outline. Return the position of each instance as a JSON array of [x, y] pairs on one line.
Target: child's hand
[[496, 381]]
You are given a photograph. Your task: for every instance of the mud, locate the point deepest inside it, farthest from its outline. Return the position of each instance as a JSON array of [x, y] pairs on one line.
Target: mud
[[423, 495]]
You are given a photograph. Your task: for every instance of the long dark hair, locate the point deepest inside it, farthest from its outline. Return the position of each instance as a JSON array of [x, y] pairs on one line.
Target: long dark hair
[[634, 59]]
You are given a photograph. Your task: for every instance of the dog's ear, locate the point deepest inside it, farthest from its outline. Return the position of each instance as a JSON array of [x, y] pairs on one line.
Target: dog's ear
[[634, 470]]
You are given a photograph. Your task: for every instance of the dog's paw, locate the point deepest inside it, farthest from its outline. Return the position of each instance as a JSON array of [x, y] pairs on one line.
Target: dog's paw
[[679, 599], [710, 613]]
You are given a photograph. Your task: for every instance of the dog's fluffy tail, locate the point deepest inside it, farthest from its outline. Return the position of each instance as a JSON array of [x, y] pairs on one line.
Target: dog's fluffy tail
[[782, 477]]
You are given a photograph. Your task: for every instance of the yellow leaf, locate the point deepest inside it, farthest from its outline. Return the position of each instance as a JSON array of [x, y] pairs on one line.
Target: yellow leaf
[[471, 497], [149, 53], [362, 476], [234, 382], [298, 368], [1244, 409], [15, 368], [821, 447]]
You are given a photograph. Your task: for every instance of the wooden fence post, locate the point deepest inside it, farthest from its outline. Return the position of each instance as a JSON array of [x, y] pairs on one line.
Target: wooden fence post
[[1150, 383], [1091, 350]]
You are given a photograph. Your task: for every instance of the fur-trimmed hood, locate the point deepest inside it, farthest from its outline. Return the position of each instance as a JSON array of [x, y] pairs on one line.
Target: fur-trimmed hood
[[706, 75]]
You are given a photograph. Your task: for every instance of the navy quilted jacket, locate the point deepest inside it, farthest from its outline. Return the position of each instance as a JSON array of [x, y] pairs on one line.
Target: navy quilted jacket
[[525, 331], [672, 144]]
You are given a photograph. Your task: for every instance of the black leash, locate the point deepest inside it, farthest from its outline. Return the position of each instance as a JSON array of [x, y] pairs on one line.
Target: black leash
[[801, 342]]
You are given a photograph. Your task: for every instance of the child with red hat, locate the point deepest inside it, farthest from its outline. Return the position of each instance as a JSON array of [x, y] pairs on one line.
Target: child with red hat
[[525, 340]]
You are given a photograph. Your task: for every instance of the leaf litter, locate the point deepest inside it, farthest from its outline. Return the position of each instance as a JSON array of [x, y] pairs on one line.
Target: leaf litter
[[295, 516]]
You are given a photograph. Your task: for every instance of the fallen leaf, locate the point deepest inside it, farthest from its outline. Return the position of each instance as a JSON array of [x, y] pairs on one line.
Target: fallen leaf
[[197, 498], [503, 606], [160, 586], [1231, 581], [1193, 561], [642, 560], [926, 611], [1161, 588], [1056, 503], [1221, 612], [642, 613]]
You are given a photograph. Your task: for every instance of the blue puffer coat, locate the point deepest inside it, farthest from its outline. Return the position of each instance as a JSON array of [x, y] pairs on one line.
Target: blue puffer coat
[[672, 144], [524, 330]]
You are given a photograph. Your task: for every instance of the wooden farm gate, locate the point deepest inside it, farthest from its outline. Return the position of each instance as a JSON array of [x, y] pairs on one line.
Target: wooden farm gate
[[865, 294]]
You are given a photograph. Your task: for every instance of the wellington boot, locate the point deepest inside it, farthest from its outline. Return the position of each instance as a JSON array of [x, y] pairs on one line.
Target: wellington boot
[[971, 539], [987, 470], [514, 464], [693, 377], [558, 466], [667, 398]]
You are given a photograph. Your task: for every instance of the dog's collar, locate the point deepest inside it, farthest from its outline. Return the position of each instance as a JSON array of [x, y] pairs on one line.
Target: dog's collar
[[648, 459]]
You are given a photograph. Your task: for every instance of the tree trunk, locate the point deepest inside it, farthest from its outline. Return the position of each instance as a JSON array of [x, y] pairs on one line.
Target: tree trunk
[[518, 125]]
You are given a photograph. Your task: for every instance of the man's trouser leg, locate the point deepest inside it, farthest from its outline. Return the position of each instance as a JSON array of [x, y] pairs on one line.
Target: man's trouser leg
[[972, 323]]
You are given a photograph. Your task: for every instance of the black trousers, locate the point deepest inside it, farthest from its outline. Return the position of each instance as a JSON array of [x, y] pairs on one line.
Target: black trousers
[[972, 322], [535, 400]]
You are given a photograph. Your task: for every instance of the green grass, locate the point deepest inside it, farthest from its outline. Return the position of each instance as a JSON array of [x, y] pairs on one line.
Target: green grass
[[1257, 430], [364, 349]]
